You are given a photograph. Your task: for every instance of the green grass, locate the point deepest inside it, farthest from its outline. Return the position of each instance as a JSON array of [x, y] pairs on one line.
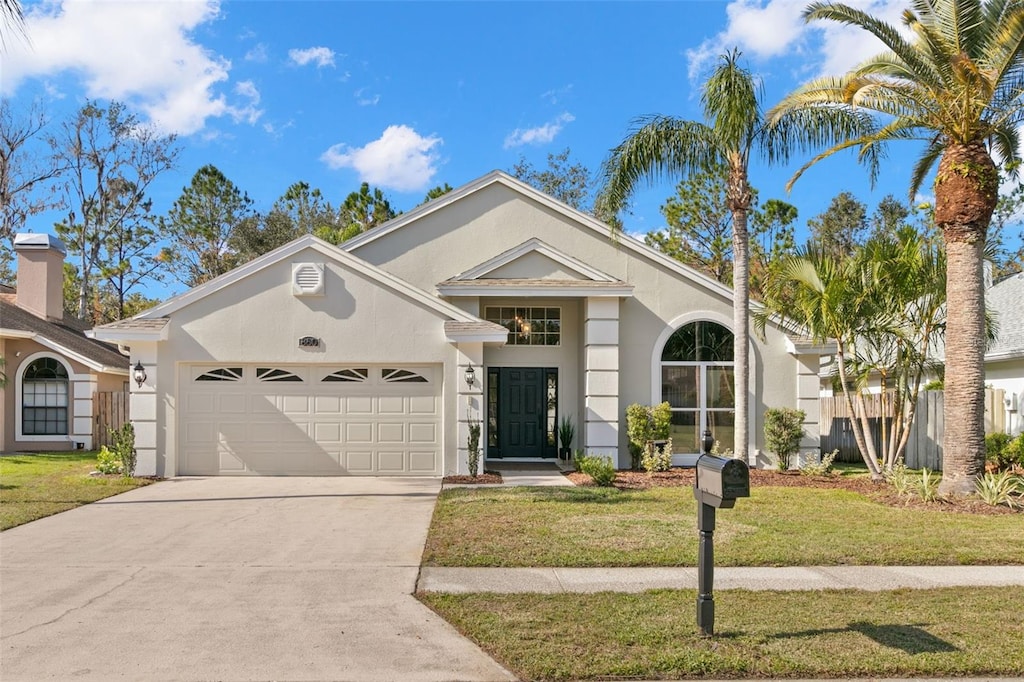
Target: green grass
[[657, 527], [38, 485], [951, 632]]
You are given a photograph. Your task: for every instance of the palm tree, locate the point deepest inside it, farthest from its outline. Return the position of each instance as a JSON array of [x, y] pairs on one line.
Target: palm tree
[[662, 146], [957, 85]]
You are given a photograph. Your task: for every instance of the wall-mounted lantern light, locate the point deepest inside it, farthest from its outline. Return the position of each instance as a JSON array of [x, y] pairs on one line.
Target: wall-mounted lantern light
[[470, 376], [139, 374]]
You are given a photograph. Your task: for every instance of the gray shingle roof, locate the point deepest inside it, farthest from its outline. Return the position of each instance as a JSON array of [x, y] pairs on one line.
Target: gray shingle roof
[[67, 333], [1006, 301], [153, 324]]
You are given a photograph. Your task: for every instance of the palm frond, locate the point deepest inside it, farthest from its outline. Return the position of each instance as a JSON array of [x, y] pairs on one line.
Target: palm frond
[[658, 147], [731, 103], [885, 32], [924, 164]]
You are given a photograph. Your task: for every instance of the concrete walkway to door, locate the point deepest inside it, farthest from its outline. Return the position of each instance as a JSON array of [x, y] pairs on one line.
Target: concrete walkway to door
[[231, 579]]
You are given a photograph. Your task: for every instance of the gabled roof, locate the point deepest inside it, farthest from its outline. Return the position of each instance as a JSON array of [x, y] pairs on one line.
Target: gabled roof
[[498, 177], [64, 336], [347, 260], [589, 281]]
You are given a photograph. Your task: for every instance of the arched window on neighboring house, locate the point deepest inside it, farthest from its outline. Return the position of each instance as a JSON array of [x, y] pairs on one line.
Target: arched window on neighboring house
[[44, 398], [697, 381]]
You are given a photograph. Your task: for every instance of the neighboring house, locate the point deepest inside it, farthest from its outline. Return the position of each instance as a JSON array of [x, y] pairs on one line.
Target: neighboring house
[[52, 368], [1004, 360], [494, 303]]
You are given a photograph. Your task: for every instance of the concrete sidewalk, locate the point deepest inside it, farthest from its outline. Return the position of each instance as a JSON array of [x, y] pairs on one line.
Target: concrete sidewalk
[[553, 580]]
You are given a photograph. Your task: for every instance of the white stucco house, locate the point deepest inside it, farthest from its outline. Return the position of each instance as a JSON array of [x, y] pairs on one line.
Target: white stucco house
[[1004, 359], [494, 303]]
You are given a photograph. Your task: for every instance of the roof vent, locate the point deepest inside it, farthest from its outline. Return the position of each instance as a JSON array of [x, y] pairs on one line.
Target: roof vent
[[308, 279]]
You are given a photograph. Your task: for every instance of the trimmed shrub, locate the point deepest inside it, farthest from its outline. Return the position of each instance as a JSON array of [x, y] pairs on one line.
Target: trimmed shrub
[[598, 468], [124, 447], [108, 462], [783, 429], [657, 459], [643, 424], [473, 445]]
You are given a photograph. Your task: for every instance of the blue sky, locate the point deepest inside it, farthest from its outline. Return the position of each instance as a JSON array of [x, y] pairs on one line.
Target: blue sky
[[407, 96]]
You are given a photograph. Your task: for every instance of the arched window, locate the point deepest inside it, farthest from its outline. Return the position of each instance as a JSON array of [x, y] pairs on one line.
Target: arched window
[[697, 381], [44, 398]]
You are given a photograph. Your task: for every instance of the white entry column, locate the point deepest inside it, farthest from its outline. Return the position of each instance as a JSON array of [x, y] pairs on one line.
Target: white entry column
[[601, 357], [808, 393]]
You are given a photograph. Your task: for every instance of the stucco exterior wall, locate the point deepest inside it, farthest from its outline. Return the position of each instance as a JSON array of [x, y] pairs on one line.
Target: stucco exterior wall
[[495, 219], [82, 380], [1008, 375], [258, 319]]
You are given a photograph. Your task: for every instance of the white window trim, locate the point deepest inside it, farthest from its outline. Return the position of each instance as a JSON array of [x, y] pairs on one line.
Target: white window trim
[[718, 318], [19, 382]]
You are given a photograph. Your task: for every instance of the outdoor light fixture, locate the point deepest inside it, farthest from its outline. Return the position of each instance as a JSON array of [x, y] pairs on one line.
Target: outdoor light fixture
[[470, 376], [139, 374]]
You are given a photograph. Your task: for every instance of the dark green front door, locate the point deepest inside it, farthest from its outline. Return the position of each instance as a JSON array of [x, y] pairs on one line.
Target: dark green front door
[[527, 398]]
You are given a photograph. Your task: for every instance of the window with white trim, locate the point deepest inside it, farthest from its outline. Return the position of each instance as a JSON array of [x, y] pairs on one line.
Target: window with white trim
[[355, 375], [221, 374], [44, 398], [276, 374], [697, 381], [528, 326], [402, 376]]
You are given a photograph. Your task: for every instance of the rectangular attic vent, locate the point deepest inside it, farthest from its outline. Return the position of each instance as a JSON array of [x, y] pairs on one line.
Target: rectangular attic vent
[[308, 279]]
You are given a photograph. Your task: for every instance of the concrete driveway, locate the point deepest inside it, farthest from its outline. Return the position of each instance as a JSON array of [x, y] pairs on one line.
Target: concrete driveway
[[231, 579]]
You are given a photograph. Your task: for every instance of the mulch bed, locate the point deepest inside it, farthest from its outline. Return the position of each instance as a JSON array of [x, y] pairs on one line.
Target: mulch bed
[[876, 490], [486, 478]]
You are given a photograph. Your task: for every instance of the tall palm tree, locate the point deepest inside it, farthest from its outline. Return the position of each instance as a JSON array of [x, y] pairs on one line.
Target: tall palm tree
[[660, 147], [958, 85]]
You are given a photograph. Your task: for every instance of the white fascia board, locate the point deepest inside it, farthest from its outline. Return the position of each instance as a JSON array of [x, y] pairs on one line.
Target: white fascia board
[[16, 334], [1004, 355], [328, 251], [527, 291], [810, 348], [477, 337], [535, 245], [128, 335]]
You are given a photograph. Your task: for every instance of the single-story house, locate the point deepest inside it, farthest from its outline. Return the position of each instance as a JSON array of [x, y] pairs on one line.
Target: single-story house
[[51, 368], [493, 304]]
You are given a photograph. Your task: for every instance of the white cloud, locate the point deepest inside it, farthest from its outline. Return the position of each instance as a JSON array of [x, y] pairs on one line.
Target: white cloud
[[774, 28], [401, 159], [139, 52], [540, 135], [257, 53], [555, 94], [321, 56], [250, 113], [365, 100]]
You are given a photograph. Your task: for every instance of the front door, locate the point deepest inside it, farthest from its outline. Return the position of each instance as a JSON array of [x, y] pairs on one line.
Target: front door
[[524, 412]]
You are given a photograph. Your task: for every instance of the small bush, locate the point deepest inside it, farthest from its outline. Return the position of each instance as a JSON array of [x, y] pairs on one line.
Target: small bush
[[598, 468], [108, 462], [473, 445], [1004, 452], [124, 448], [783, 429], [645, 424], [901, 479], [1013, 453], [717, 451], [1000, 488], [822, 467], [657, 459]]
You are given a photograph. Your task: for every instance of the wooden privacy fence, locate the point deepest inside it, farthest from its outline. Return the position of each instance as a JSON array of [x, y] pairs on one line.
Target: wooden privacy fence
[[109, 411], [924, 447]]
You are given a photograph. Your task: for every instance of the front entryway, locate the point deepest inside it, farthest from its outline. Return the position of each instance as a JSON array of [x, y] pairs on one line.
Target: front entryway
[[522, 412]]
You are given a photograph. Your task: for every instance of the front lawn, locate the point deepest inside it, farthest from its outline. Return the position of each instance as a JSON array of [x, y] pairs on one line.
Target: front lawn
[[38, 485], [776, 526], [954, 632]]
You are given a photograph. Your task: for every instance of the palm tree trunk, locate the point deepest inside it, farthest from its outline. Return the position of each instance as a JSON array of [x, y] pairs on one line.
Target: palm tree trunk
[[741, 327], [855, 425], [966, 191]]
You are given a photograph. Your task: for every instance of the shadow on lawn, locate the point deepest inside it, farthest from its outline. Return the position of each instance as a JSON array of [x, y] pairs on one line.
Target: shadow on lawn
[[911, 639]]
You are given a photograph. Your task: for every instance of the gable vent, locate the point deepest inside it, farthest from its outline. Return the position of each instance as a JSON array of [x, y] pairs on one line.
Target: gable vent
[[308, 279]]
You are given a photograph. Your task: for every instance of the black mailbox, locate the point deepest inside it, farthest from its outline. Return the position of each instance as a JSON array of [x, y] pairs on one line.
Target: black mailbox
[[720, 481]]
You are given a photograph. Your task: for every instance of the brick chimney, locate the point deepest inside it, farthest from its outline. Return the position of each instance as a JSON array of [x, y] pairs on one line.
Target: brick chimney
[[40, 274]]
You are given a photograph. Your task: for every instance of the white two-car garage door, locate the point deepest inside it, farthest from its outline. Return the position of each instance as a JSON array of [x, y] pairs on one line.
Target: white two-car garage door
[[308, 420]]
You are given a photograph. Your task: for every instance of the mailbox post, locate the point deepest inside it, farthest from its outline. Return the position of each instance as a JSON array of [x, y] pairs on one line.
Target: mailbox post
[[718, 483]]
